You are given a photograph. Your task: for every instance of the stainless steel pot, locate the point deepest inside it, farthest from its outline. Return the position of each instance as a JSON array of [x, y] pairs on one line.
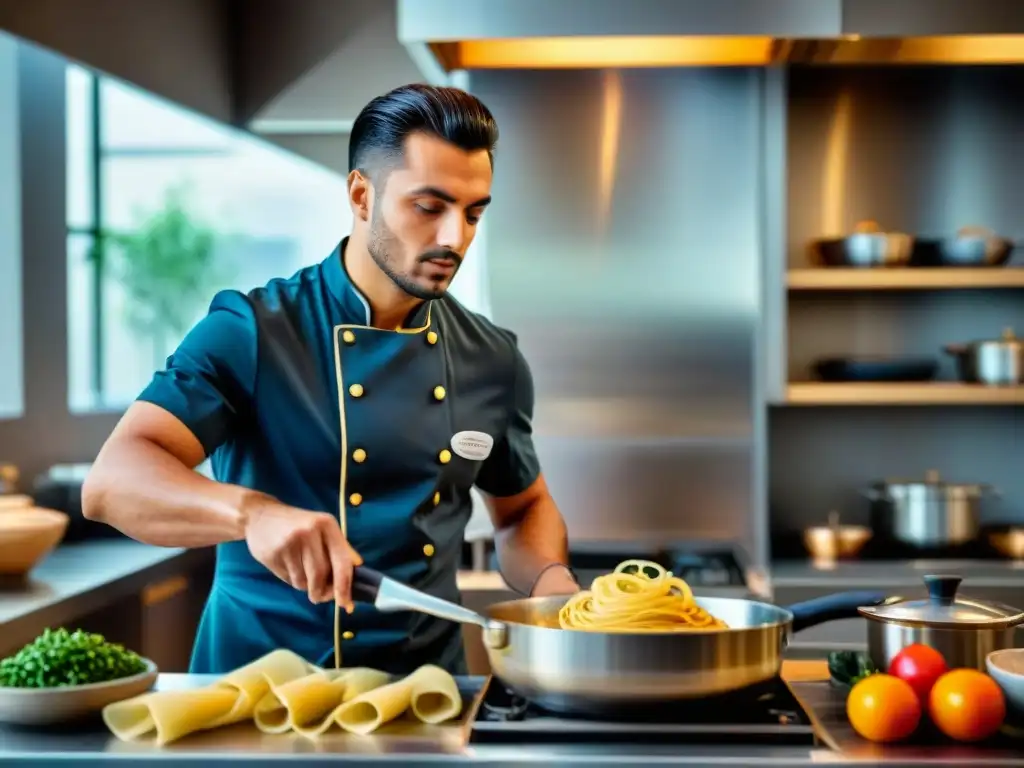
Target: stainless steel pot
[[964, 631], [582, 672], [996, 362], [970, 247], [867, 246], [928, 513]]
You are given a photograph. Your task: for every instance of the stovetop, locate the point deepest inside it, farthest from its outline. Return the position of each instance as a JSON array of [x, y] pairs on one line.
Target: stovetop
[[708, 568], [764, 714]]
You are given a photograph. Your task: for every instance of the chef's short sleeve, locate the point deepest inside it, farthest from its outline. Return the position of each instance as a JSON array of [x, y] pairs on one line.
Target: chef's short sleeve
[[209, 380], [513, 466]]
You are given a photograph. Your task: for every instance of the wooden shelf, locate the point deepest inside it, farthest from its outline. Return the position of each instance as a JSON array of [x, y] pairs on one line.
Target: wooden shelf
[[933, 393], [903, 279]]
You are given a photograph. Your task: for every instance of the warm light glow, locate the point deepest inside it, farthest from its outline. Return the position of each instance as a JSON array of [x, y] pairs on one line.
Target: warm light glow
[[683, 51], [833, 203], [611, 127], [601, 52]]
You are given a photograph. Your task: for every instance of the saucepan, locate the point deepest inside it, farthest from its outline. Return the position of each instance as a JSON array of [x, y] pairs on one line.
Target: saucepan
[[971, 247], [593, 673], [962, 629], [867, 246]]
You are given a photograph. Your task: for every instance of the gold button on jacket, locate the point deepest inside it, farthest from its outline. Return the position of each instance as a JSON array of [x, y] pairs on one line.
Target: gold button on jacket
[[439, 393], [444, 456], [358, 455], [428, 550], [356, 390]]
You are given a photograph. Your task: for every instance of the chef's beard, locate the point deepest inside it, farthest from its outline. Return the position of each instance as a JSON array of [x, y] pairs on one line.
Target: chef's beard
[[384, 248]]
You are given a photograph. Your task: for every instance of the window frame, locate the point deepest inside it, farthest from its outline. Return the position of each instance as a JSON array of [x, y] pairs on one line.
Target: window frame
[[94, 231]]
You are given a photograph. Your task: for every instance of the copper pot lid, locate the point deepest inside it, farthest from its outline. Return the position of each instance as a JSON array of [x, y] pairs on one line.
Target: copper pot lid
[[943, 609]]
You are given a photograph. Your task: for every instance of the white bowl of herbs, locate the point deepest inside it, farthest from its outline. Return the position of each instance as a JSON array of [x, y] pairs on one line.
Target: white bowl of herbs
[[62, 676]]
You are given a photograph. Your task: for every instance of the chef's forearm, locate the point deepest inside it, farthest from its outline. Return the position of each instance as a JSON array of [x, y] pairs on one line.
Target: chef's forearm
[[148, 494], [530, 543]]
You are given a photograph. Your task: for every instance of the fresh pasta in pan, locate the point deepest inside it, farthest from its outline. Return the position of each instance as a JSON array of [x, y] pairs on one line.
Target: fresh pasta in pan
[[282, 693], [638, 596]]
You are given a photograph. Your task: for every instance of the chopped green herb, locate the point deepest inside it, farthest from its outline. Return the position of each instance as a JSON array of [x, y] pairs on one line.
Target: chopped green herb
[[58, 658], [849, 667]]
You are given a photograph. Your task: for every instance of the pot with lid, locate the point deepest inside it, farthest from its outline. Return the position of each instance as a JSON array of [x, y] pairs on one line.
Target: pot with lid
[[963, 630], [927, 513], [996, 362]]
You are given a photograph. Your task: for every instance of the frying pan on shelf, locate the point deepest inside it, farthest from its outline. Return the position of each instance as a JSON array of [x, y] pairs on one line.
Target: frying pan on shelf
[[876, 369]]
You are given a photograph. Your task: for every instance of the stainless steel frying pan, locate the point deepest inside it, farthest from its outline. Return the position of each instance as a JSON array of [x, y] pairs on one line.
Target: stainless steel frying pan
[[590, 673]]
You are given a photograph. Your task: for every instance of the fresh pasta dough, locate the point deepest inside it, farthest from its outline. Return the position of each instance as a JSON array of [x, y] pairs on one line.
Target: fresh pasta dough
[[429, 692], [166, 716], [281, 693], [638, 596], [310, 705]]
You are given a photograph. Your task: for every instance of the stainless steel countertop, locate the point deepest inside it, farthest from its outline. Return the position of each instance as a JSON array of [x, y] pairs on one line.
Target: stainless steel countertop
[[78, 578], [407, 744]]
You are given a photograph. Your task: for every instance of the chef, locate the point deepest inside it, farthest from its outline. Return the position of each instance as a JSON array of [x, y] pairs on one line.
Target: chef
[[347, 411]]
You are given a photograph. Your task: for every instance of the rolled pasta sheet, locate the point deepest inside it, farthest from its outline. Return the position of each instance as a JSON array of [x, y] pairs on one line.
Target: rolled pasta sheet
[[308, 705], [430, 692], [253, 681], [165, 716], [435, 696]]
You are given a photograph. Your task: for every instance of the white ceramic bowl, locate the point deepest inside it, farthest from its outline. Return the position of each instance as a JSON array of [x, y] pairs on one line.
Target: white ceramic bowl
[[50, 706], [1006, 667]]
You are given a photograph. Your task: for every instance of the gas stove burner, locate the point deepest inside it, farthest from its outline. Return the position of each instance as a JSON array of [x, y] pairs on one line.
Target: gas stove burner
[[505, 706], [768, 714]]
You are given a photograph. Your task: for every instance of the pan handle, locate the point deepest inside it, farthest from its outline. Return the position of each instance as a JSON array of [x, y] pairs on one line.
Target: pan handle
[[841, 605], [388, 595]]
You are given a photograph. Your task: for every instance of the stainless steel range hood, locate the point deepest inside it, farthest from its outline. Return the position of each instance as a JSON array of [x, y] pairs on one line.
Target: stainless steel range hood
[[540, 34]]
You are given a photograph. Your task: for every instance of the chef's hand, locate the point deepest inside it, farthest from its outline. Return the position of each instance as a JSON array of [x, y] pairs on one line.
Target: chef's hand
[[305, 549], [555, 581]]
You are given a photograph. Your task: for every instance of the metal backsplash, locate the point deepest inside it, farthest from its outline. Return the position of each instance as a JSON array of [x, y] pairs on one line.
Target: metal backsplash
[[624, 250]]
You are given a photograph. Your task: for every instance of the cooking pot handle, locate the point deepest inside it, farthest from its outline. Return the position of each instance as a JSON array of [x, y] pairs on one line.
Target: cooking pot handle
[[388, 595], [841, 605], [955, 349]]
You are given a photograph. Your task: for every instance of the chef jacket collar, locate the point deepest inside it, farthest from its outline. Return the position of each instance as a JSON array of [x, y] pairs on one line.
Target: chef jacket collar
[[353, 303]]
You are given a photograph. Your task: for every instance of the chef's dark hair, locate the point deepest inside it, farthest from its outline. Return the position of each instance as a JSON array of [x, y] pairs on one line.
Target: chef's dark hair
[[380, 130]]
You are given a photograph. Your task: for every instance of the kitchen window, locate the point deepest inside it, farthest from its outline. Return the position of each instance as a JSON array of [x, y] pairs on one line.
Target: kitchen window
[[230, 211], [11, 352], [137, 164]]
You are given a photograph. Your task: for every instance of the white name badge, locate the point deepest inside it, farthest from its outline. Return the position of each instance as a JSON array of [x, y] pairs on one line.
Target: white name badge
[[475, 446]]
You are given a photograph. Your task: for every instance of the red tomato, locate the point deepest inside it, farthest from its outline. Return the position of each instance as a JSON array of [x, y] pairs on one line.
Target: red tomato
[[920, 666]]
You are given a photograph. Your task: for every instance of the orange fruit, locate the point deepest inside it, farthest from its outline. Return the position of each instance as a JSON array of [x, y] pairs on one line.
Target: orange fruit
[[883, 708], [967, 705]]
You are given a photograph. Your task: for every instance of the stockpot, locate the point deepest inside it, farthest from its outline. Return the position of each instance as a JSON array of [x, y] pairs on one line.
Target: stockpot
[[927, 513], [995, 362], [591, 673], [963, 630]]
